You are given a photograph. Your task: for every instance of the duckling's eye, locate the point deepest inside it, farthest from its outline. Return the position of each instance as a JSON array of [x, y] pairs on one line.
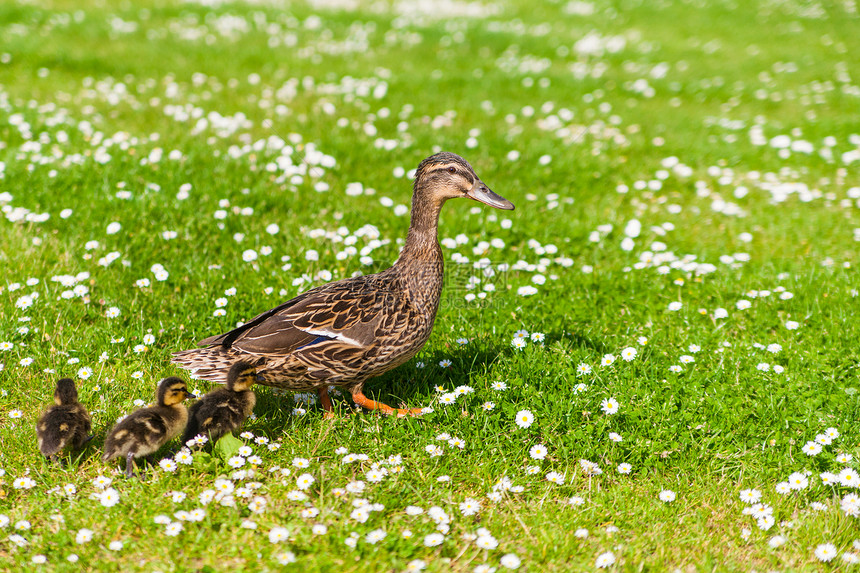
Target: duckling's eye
[[452, 170]]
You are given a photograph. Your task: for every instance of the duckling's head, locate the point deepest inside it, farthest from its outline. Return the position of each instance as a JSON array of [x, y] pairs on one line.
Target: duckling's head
[[447, 176], [172, 391], [241, 377], [65, 392]]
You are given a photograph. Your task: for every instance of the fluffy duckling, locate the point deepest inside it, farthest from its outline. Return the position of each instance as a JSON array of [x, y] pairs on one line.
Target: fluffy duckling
[[67, 423], [225, 409], [144, 431]]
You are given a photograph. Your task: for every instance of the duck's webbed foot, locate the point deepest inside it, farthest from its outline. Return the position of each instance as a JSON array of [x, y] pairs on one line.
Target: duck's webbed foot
[[362, 400]]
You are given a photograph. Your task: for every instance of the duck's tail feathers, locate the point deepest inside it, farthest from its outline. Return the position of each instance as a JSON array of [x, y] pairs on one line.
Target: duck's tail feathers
[[211, 363]]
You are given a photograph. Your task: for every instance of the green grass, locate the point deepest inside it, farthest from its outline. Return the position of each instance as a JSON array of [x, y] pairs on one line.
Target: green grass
[[81, 80]]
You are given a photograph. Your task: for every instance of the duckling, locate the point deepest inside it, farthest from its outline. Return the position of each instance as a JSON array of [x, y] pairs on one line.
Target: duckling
[[67, 423], [225, 409], [144, 431]]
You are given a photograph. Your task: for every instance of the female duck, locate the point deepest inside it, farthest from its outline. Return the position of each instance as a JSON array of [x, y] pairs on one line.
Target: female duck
[[346, 332], [144, 431]]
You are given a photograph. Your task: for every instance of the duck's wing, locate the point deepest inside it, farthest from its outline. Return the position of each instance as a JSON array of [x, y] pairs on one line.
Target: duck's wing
[[347, 312]]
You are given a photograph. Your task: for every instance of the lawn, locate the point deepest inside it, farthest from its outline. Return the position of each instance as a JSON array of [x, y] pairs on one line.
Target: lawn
[[651, 364]]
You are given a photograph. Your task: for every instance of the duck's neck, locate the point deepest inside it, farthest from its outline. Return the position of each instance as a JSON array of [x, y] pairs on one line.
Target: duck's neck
[[422, 242], [420, 264]]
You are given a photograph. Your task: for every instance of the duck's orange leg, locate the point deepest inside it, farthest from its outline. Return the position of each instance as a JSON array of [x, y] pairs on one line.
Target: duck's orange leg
[[366, 402], [325, 400]]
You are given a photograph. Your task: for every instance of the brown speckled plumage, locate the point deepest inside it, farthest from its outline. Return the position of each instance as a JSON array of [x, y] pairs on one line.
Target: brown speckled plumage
[[66, 424], [346, 332]]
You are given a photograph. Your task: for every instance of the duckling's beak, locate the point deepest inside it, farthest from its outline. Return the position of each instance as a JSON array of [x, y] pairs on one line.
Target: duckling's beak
[[189, 396], [480, 192]]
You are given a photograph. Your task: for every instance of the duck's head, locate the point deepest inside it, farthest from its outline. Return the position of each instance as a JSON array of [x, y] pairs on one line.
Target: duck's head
[[65, 392], [448, 176], [241, 376], [172, 391]]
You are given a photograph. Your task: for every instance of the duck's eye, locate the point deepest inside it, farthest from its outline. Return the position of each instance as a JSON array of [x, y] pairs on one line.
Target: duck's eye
[[452, 170]]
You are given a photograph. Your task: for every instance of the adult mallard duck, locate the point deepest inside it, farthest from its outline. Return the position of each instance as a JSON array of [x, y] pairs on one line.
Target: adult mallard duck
[[345, 332]]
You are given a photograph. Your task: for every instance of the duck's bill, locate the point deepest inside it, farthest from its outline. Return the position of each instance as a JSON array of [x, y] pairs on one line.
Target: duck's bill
[[483, 194]]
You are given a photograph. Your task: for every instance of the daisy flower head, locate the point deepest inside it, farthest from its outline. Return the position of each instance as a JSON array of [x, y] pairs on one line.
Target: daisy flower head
[[629, 353], [470, 506], [605, 560], [765, 522], [811, 448], [486, 541], [607, 360], [538, 452], [538, 337], [667, 496], [510, 561], [583, 369], [825, 552], [590, 468], [848, 477], [83, 536], [782, 488], [675, 369], [445, 363], [798, 481], [750, 496], [286, 557], [519, 343], [167, 465], [555, 477], [609, 406], [844, 458], [109, 497], [524, 418], [624, 468], [25, 482], [576, 501], [433, 539], [278, 534], [305, 481]]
